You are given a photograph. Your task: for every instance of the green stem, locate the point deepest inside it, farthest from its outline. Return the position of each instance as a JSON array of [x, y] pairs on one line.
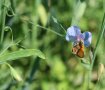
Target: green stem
[[98, 41], [3, 17], [96, 47]]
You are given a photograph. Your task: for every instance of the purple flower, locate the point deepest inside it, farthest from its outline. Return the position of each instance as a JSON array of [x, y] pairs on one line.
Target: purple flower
[[74, 35]]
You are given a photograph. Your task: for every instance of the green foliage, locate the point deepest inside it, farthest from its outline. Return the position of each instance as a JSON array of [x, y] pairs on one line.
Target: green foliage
[[14, 73], [19, 54], [33, 30]]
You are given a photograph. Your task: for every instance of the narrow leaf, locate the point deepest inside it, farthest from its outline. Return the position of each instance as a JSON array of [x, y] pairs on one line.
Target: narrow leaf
[[14, 73], [79, 10], [54, 19], [20, 54], [42, 14], [100, 70]]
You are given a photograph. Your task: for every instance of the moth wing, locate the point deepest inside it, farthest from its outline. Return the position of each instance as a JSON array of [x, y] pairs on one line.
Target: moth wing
[[80, 53]]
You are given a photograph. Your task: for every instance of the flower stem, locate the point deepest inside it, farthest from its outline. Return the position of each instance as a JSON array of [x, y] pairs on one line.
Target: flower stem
[[98, 41], [97, 44]]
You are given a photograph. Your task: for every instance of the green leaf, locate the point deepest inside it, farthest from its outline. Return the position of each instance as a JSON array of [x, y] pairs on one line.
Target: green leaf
[[20, 54], [14, 73], [54, 19], [42, 14], [79, 10]]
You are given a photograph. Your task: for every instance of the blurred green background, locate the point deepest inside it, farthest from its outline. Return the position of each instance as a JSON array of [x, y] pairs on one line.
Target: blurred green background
[[37, 24]]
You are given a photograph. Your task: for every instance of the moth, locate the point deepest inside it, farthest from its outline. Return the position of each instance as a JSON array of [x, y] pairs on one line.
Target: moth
[[78, 49]]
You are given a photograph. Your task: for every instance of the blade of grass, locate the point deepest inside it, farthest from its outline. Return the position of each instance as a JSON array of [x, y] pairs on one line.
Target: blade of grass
[[3, 17], [20, 54], [35, 67]]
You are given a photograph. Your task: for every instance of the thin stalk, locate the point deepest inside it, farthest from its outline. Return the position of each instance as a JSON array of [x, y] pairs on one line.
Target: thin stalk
[[3, 17], [48, 29], [96, 47], [98, 41]]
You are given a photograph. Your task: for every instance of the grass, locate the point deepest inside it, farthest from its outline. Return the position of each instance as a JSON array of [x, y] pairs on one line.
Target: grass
[[3, 18], [62, 71]]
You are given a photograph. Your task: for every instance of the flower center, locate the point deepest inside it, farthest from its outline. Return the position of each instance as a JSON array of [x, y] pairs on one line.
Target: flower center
[[80, 38]]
